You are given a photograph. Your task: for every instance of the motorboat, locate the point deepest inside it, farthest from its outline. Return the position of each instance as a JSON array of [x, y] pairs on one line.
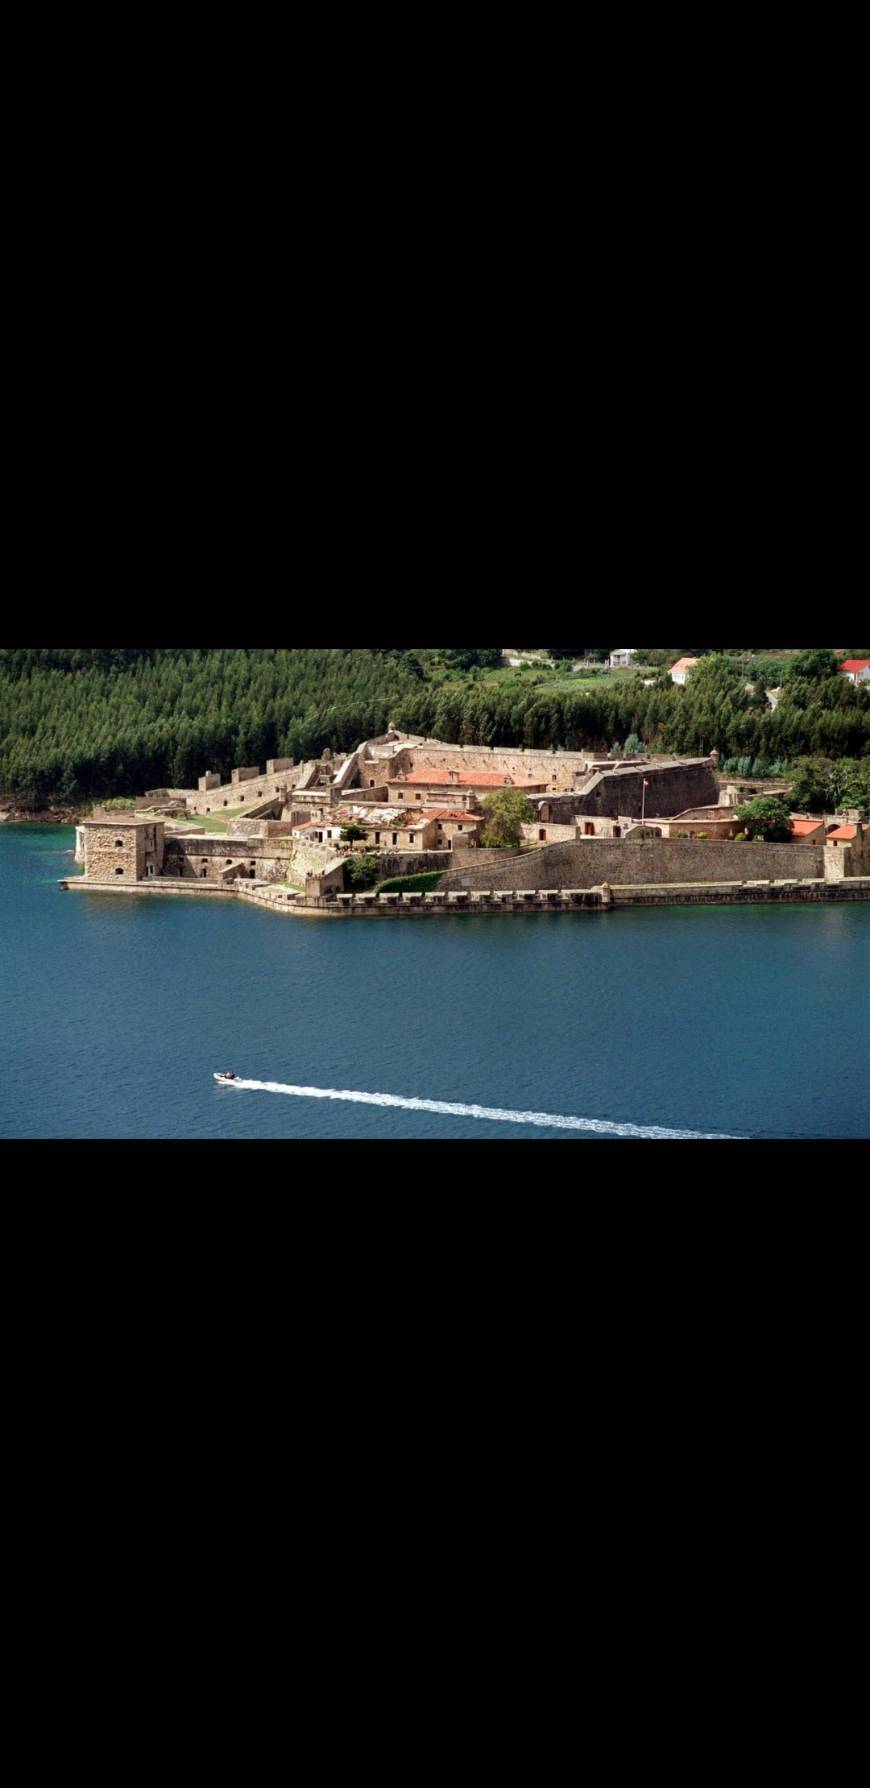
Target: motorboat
[[227, 1079]]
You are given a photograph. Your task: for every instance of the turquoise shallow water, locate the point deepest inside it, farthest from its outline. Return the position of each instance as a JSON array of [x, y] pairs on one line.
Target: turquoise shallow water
[[114, 1011]]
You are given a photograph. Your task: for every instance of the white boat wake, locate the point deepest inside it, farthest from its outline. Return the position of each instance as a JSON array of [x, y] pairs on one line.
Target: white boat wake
[[489, 1113]]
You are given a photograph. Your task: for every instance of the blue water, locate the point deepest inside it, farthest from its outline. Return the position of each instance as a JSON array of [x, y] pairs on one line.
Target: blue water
[[115, 1010]]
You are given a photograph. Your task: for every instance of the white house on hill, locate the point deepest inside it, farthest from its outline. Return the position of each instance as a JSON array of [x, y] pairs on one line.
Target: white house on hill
[[681, 669], [621, 659], [856, 669]]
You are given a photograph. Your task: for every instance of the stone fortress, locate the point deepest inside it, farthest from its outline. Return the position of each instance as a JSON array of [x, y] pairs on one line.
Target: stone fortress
[[600, 823]]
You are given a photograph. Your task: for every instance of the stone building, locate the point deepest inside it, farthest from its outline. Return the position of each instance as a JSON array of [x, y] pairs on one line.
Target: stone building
[[456, 825], [388, 828], [424, 785], [128, 850]]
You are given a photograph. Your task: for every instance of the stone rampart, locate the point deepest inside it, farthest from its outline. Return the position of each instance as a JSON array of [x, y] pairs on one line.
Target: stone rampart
[[260, 828], [559, 768], [672, 789], [235, 794], [615, 794], [591, 861], [345, 905], [305, 859], [544, 832], [843, 860]]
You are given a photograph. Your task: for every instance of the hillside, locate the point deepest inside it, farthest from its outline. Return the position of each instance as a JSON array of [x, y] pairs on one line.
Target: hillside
[[82, 724]]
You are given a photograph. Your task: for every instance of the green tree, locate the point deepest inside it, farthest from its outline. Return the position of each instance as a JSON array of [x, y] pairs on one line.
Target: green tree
[[507, 812], [350, 834], [812, 665], [811, 789], [363, 871], [767, 817]]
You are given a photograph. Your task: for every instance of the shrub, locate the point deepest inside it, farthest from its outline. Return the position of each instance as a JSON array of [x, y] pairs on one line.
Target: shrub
[[507, 812], [362, 871], [426, 882], [767, 817], [740, 838]]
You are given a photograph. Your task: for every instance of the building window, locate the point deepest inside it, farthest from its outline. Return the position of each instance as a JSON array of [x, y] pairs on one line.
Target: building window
[[542, 832], [377, 838], [119, 844], [418, 797], [395, 837], [617, 831], [119, 871]]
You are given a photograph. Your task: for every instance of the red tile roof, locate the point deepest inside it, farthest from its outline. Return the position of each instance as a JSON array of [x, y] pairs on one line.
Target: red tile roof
[[800, 828], [854, 664], [464, 779], [844, 832]]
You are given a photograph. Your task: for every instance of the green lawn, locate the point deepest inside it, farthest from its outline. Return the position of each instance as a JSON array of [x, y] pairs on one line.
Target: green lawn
[[211, 822]]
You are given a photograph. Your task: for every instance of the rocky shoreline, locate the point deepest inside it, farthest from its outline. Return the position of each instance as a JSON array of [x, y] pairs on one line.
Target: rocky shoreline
[[55, 815]]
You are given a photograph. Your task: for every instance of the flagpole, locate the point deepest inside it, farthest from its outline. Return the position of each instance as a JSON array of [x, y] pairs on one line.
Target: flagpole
[[643, 807]]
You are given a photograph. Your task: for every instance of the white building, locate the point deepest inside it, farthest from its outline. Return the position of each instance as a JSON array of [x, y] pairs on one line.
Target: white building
[[621, 660], [681, 669], [856, 669]]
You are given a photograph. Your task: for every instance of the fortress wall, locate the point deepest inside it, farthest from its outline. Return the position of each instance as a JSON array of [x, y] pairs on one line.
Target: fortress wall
[[671, 791], [554, 834], [261, 828], [412, 862], [236, 794], [272, 859], [306, 859], [844, 860], [618, 794], [559, 768], [591, 861]]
